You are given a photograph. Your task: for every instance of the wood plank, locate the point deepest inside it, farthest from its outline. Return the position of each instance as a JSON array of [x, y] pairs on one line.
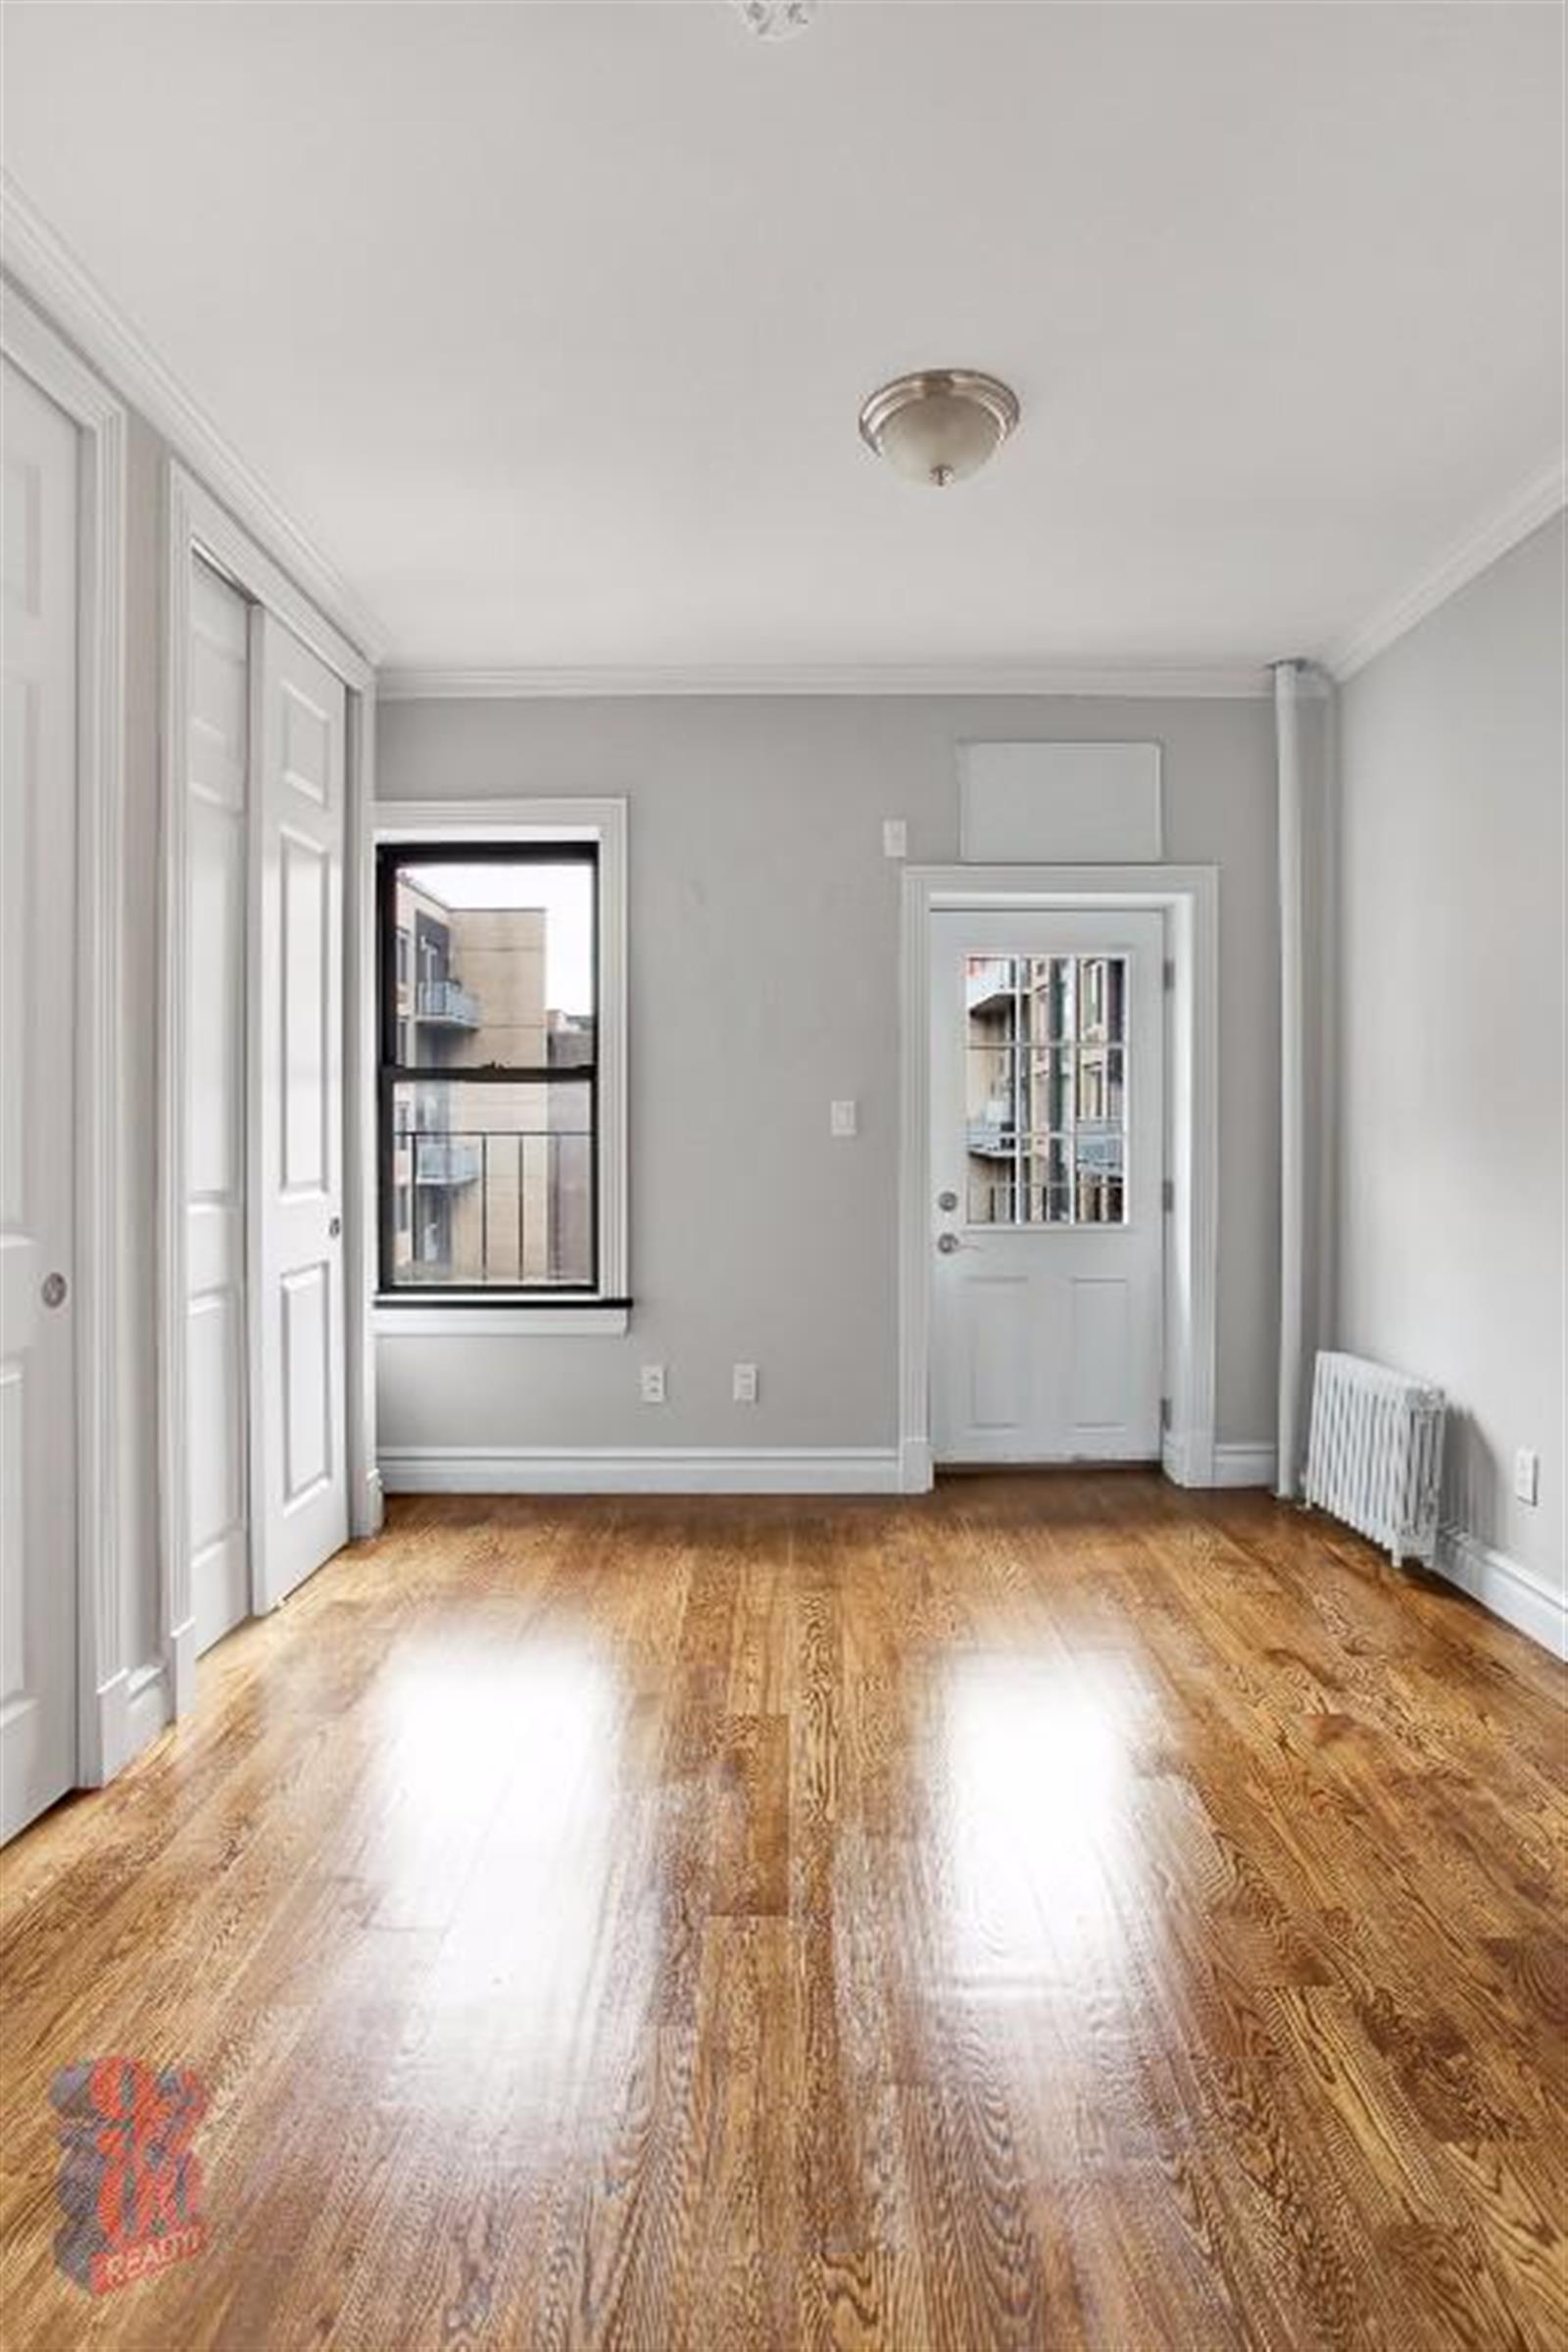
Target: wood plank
[[1061, 1912]]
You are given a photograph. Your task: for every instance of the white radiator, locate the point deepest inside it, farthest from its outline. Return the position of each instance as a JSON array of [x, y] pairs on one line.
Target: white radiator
[[1375, 1458]]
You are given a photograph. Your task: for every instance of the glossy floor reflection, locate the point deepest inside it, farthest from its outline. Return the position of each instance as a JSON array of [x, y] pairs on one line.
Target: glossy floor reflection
[[1065, 1913]]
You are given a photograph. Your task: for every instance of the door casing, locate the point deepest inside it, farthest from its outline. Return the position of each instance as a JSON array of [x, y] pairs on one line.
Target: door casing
[[1188, 895]]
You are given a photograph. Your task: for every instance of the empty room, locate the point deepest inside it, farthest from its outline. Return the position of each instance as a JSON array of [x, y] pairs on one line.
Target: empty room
[[782, 1193]]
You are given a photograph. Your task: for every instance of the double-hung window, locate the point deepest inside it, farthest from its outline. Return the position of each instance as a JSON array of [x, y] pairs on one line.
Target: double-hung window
[[492, 1080]]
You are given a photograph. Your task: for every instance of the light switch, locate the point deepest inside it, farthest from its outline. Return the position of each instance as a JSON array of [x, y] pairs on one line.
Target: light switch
[[895, 837], [843, 1118]]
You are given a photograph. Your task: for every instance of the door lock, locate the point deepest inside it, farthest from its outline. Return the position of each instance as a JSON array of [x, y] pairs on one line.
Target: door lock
[[53, 1289], [948, 1202], [946, 1243]]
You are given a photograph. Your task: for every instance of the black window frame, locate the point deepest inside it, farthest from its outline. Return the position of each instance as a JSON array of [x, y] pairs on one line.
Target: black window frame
[[391, 857]]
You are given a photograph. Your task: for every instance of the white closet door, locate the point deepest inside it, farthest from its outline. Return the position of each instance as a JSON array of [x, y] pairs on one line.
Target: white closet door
[[218, 758], [38, 1166], [300, 1487]]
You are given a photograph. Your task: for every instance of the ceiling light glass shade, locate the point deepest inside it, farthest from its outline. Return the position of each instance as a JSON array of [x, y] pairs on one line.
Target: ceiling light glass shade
[[777, 19], [941, 424]]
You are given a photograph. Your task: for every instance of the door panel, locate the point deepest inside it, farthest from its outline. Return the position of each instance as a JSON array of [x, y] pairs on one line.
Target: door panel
[[1099, 1353], [38, 622], [301, 976], [1047, 1174], [300, 1490], [306, 1380], [217, 803], [996, 1321]]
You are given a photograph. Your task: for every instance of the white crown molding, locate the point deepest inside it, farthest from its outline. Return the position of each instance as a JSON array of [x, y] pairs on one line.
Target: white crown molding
[[1243, 681], [43, 266], [1534, 503]]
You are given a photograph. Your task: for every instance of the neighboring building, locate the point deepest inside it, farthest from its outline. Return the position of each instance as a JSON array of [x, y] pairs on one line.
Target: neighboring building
[[490, 1179], [1045, 1089]]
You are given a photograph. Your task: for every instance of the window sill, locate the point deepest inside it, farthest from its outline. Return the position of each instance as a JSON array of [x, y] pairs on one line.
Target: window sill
[[497, 1318]]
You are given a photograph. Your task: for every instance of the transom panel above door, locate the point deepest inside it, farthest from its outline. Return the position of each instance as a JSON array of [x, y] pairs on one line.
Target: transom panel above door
[[1047, 1166]]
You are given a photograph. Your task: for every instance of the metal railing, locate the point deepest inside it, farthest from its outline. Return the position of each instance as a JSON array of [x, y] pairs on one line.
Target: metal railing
[[505, 1206], [990, 1137], [446, 1159], [447, 1000]]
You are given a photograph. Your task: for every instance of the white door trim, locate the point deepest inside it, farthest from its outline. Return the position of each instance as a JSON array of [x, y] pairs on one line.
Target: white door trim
[[198, 525], [1189, 896], [105, 1732]]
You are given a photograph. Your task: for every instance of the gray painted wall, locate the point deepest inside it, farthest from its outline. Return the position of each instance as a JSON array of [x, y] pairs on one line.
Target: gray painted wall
[[1451, 1136], [764, 954]]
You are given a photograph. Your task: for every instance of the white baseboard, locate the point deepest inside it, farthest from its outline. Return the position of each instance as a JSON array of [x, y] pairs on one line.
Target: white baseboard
[[367, 1517], [147, 1705], [1197, 1461], [106, 1733], [1247, 1465], [916, 1470], [640, 1470], [179, 1673], [1518, 1594]]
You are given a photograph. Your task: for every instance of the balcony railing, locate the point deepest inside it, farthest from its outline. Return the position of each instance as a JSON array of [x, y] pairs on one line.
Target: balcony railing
[[445, 1001], [991, 1139], [446, 1160], [523, 1213]]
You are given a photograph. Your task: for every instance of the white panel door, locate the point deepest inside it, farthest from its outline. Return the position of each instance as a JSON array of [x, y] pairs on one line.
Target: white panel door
[[218, 744], [1047, 1179], [300, 1487], [37, 965]]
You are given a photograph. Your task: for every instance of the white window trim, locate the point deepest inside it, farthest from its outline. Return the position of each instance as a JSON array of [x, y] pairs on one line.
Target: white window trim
[[604, 1313]]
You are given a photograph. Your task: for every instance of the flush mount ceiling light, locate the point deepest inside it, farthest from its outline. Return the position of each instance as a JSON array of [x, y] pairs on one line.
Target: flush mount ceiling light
[[777, 19], [940, 424]]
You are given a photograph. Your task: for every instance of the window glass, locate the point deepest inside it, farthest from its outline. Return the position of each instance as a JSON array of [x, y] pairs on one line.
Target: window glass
[[1045, 1096], [489, 1080]]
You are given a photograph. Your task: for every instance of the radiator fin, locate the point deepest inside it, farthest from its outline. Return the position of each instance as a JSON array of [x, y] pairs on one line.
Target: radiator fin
[[1375, 1457]]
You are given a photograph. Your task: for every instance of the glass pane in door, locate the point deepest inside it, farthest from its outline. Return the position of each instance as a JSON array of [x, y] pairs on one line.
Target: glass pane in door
[[1046, 1090]]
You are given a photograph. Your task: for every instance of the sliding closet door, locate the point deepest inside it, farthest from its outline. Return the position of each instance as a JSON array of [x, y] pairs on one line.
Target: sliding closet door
[[218, 744], [300, 1488], [38, 1497]]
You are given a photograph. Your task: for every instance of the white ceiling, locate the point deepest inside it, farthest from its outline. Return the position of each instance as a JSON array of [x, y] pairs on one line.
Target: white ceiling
[[551, 325]]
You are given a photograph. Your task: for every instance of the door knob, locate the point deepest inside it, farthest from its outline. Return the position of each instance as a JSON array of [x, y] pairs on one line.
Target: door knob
[[946, 1243], [53, 1289], [335, 1226], [948, 1202]]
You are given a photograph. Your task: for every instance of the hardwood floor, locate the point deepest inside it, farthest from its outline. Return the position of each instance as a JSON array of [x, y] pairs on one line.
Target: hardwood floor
[[1065, 1913]]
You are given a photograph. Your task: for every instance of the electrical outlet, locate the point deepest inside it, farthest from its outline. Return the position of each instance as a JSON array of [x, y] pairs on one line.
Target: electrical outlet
[[744, 1387], [1527, 1475], [653, 1384], [895, 837], [843, 1118]]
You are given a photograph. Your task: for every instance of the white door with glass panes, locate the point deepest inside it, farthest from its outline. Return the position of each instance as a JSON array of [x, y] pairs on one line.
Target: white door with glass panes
[[1046, 1175]]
